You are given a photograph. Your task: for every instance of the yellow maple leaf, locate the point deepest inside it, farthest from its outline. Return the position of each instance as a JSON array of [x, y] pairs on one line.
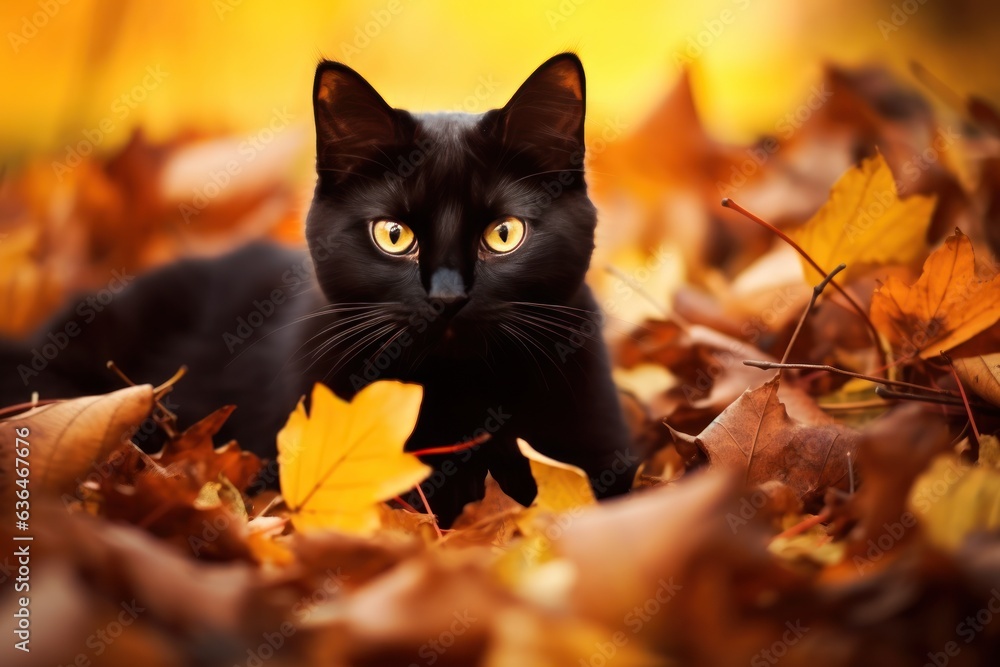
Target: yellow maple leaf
[[865, 222], [562, 488], [954, 500], [947, 305], [339, 462]]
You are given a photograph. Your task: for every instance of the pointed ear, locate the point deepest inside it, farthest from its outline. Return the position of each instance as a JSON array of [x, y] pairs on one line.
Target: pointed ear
[[352, 120], [549, 108]]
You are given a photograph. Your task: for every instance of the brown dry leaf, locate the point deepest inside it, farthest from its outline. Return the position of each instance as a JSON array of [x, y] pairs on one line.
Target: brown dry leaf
[[176, 506], [355, 561], [401, 617], [194, 450], [642, 565], [947, 305], [981, 374], [487, 521], [709, 371], [70, 437], [756, 437], [865, 222]]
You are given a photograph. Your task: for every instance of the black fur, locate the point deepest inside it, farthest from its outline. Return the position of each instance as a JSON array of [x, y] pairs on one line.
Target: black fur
[[504, 345]]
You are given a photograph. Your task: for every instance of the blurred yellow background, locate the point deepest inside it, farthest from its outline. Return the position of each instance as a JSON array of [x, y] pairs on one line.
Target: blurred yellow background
[[226, 65], [201, 84]]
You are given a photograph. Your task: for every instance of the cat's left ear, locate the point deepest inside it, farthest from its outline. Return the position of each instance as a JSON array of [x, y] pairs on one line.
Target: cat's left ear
[[352, 119], [549, 108]]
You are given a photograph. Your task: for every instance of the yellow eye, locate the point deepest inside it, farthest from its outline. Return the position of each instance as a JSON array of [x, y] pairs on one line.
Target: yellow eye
[[504, 235], [393, 237]]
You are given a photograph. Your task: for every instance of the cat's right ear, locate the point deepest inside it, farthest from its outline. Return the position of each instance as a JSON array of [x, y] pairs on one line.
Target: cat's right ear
[[352, 120]]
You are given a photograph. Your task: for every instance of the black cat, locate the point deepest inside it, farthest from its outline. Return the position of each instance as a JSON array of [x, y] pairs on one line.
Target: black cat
[[451, 250]]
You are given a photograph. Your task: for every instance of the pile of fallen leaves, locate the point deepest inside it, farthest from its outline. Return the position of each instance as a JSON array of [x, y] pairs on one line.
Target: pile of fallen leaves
[[817, 407]]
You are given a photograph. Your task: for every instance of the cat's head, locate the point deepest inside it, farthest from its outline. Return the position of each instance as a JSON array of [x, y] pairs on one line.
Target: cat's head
[[449, 221]]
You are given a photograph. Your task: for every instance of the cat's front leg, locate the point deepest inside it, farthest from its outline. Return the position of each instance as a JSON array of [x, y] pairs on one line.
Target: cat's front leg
[[578, 419]]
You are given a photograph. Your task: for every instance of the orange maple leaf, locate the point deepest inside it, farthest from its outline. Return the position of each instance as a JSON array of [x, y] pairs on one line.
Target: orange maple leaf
[[948, 304]]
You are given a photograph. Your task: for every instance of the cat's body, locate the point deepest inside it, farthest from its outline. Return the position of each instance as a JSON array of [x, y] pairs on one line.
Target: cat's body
[[451, 251]]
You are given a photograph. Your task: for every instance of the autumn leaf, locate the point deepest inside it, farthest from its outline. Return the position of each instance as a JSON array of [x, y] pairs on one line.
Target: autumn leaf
[[947, 305], [561, 488], [67, 439], [194, 450], [405, 521], [756, 436], [954, 500], [341, 460], [981, 374], [865, 222], [491, 520]]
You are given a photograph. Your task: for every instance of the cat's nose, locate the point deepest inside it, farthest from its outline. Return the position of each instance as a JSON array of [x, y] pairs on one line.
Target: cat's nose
[[447, 287]]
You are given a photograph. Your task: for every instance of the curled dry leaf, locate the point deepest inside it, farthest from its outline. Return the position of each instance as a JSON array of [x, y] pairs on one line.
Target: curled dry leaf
[[948, 305], [756, 436], [68, 438], [865, 222], [340, 461]]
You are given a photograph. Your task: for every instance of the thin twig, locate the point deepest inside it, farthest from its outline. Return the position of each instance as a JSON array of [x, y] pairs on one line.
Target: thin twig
[[427, 506], [850, 471], [30, 405], [729, 203], [771, 365], [965, 401], [885, 392], [849, 406], [817, 290], [166, 419]]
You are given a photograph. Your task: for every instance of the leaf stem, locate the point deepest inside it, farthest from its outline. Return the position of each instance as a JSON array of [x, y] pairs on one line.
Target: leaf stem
[[427, 506]]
